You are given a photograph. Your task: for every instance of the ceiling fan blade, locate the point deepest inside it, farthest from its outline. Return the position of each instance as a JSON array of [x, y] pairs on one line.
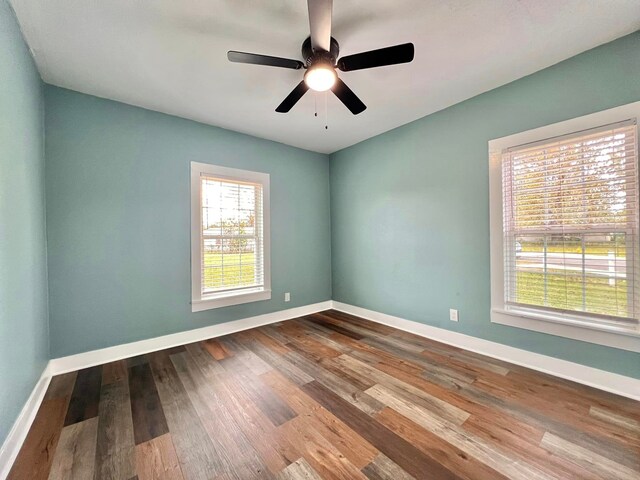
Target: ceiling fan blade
[[320, 23], [346, 96], [256, 59], [295, 95], [377, 58]]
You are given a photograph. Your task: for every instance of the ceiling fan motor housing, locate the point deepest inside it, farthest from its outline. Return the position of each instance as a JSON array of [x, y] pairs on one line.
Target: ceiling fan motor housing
[[310, 56]]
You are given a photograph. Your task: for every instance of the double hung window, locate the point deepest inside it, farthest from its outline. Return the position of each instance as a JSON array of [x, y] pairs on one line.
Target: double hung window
[[568, 225], [230, 242]]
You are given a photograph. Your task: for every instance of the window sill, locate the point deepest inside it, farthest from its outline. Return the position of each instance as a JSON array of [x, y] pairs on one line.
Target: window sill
[[607, 335], [227, 299]]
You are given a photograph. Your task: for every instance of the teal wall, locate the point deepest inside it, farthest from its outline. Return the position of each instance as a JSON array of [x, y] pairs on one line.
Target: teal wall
[[410, 208], [24, 347], [118, 221], [406, 233]]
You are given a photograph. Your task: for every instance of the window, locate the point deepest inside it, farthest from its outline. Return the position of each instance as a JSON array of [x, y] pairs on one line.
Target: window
[[229, 236], [568, 224]]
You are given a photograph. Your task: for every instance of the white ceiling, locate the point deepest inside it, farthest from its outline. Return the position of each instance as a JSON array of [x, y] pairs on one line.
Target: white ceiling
[[170, 56]]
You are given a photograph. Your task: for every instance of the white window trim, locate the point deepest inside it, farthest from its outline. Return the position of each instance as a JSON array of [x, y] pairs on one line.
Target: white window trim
[[225, 299], [610, 335]]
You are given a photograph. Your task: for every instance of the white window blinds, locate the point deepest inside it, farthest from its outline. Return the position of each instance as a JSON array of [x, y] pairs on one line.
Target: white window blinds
[[232, 235], [570, 224]]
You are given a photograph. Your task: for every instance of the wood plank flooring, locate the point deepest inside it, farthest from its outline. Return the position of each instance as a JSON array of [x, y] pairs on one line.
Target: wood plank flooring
[[326, 396]]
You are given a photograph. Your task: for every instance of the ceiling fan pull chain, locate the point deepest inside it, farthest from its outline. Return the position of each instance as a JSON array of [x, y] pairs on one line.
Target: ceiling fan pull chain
[[326, 112], [315, 103]]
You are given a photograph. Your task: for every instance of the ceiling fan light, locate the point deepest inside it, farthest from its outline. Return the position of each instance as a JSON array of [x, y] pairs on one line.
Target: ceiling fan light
[[320, 78]]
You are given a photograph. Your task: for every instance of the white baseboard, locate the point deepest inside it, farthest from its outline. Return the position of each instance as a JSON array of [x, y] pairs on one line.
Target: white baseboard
[[593, 377], [111, 354], [21, 426]]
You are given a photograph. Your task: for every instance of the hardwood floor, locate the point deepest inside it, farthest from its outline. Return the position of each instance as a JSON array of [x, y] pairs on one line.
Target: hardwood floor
[[327, 396]]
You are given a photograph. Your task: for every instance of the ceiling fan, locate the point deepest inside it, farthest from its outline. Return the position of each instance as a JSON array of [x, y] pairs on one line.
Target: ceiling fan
[[320, 53]]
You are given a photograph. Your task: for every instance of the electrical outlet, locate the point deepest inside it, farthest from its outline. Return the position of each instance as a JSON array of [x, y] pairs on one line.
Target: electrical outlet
[[453, 315], [287, 297]]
